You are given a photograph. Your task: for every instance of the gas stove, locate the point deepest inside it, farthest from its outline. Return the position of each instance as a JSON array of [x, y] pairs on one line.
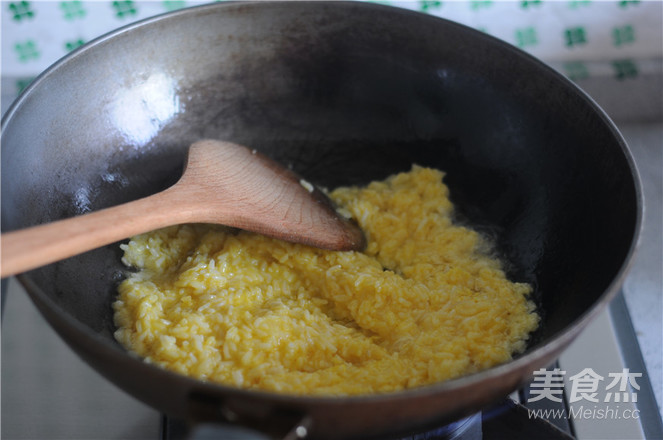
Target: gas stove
[[605, 385]]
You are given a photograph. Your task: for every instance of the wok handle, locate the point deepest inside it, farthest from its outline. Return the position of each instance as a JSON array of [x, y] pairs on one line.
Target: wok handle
[[37, 246], [211, 431], [214, 417]]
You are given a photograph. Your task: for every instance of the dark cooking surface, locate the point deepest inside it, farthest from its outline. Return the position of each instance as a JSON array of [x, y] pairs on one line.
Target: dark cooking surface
[[48, 392]]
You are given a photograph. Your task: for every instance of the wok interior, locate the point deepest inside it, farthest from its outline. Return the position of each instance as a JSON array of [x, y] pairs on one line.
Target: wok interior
[[345, 94]]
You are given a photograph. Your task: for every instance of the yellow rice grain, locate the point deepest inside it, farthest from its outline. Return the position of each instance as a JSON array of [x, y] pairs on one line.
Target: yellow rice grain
[[425, 302]]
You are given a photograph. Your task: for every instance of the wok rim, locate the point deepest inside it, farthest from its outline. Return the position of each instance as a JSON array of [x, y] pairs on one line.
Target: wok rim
[[533, 356]]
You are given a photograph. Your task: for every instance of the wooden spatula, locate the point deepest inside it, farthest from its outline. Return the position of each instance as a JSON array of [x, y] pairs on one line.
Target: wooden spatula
[[222, 183]]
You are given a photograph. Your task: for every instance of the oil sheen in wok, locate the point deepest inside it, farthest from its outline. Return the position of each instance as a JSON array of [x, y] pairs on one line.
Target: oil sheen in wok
[[425, 302]]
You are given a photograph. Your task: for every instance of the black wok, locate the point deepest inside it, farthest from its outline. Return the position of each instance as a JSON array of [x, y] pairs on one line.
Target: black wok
[[344, 93]]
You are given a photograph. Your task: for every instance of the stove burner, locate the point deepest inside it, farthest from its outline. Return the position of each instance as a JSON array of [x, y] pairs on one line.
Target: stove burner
[[506, 420], [465, 429]]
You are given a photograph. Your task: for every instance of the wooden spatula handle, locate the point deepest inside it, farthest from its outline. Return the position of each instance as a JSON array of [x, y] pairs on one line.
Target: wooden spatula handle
[[40, 245]]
